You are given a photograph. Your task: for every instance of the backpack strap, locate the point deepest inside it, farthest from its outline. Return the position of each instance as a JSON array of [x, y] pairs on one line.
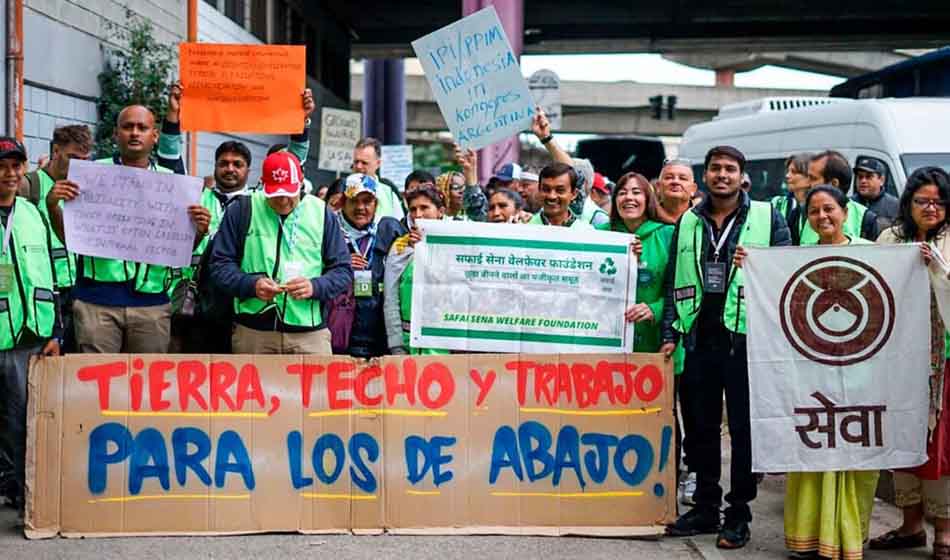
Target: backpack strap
[[31, 190]]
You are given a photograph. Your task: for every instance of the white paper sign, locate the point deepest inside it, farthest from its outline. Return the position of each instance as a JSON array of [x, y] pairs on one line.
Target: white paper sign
[[397, 163], [546, 88], [839, 357], [476, 79], [522, 288], [339, 132], [131, 214]]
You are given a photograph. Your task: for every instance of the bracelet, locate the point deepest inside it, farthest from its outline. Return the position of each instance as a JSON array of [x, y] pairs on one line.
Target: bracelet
[[547, 139]]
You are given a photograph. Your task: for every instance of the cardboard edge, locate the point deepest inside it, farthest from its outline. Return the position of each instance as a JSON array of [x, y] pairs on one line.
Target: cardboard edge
[[647, 532], [38, 534]]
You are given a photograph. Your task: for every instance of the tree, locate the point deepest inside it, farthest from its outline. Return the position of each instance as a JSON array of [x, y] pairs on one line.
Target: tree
[[136, 73]]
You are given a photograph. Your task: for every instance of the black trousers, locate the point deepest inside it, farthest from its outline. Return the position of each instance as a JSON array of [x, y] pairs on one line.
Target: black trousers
[[718, 366]]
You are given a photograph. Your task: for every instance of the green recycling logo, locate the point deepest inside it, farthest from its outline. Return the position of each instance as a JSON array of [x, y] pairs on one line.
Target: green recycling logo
[[608, 267]]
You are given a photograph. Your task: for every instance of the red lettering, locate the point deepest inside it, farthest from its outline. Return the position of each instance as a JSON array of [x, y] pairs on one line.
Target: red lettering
[[157, 384], [545, 375], [406, 387], [605, 374], [102, 374], [521, 368], [362, 381], [582, 375], [223, 375], [648, 375], [306, 373], [624, 392], [485, 384], [436, 373], [135, 391], [191, 376], [337, 383], [601, 384], [249, 387]]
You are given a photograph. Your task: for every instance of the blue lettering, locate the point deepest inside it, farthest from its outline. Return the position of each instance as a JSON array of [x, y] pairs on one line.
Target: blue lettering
[[596, 460], [230, 445], [295, 457], [334, 444], [99, 456], [504, 453], [363, 441], [432, 458], [149, 460], [535, 431], [567, 455], [181, 438], [641, 446]]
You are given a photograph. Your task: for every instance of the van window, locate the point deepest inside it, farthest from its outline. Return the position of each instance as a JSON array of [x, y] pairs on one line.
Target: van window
[[767, 175], [913, 162]]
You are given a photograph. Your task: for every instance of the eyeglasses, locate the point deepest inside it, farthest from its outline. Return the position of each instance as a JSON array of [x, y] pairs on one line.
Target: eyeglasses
[[937, 203]]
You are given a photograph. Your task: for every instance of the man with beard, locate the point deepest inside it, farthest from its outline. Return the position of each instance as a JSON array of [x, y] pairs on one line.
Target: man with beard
[[703, 305]]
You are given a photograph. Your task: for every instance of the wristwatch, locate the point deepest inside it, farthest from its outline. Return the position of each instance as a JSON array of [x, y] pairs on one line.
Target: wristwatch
[[547, 139]]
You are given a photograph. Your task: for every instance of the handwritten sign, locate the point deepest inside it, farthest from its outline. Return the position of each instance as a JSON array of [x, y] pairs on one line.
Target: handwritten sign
[[158, 444], [546, 89], [828, 326], [339, 132], [522, 288], [397, 163], [242, 88], [131, 214], [476, 79]]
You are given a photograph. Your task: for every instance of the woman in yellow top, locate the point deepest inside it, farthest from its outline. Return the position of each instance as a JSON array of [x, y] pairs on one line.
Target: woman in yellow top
[[827, 513]]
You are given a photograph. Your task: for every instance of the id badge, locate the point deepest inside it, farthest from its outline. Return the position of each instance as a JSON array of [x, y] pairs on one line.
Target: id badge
[[363, 283], [715, 278], [292, 269], [6, 278]]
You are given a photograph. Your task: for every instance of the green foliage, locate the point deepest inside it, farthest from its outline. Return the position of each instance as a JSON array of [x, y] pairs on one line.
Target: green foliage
[[136, 74]]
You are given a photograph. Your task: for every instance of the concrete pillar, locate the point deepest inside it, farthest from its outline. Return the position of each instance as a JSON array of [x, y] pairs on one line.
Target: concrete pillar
[[384, 100], [725, 77], [511, 14]]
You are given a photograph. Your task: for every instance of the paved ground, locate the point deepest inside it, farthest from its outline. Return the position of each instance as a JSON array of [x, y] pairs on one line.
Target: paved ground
[[767, 543]]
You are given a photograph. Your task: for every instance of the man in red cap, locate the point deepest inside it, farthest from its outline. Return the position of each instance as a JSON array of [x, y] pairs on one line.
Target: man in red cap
[[281, 256]]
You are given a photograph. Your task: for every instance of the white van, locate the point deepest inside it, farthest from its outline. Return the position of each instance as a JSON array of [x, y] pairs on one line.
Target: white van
[[905, 134]]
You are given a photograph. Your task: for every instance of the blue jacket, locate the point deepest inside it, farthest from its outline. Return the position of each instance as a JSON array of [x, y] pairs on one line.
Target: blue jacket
[[228, 251], [368, 337]]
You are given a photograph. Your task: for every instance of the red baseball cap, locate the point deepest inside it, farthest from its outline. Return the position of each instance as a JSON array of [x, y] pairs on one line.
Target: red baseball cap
[[282, 175], [600, 183]]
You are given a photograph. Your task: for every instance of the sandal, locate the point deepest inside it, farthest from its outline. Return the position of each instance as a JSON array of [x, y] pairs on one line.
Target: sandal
[[893, 540], [941, 551]]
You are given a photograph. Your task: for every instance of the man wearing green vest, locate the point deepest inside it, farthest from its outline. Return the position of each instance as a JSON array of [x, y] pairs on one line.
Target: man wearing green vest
[[367, 156], [704, 305], [559, 183], [832, 168], [69, 142], [282, 257], [27, 312], [122, 306]]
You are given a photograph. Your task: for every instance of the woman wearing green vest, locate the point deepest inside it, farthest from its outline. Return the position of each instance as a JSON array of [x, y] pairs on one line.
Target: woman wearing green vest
[[425, 203], [923, 218], [828, 513], [27, 312]]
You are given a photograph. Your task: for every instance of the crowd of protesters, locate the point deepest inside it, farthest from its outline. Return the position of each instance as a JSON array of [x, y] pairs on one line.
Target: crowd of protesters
[[282, 267]]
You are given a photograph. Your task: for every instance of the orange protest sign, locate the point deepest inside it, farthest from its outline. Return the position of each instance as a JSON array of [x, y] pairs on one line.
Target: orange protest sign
[[242, 88]]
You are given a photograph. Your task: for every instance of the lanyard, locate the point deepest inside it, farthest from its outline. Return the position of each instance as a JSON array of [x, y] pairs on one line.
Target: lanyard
[[723, 237], [8, 231], [289, 226]]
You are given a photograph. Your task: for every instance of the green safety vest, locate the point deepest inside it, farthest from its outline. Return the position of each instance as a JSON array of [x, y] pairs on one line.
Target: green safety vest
[[144, 278], [213, 205], [688, 283], [30, 303], [405, 311], [64, 262], [578, 222], [266, 243], [851, 226]]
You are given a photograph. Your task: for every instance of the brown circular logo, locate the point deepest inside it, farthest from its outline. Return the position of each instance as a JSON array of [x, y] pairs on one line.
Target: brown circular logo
[[837, 311]]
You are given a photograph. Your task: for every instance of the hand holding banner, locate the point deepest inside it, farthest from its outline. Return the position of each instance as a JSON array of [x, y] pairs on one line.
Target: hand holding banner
[[242, 88]]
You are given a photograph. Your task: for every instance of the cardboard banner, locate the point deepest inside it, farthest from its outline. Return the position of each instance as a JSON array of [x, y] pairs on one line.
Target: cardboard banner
[[397, 163], [339, 132], [242, 88], [522, 288], [546, 88], [839, 357], [510, 444], [476, 79], [131, 214]]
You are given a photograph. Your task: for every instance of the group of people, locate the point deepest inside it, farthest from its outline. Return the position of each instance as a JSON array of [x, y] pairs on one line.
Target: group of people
[[282, 267]]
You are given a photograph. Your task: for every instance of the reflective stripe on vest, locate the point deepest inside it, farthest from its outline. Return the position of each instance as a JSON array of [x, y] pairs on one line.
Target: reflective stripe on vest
[[30, 303], [265, 247], [144, 278], [64, 262], [851, 226], [688, 283]]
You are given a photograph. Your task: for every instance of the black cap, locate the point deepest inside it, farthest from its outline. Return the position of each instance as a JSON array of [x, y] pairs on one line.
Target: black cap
[[10, 148], [871, 165]]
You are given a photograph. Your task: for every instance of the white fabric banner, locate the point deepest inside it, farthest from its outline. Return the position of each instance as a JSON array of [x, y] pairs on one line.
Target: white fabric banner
[[522, 288], [839, 357]]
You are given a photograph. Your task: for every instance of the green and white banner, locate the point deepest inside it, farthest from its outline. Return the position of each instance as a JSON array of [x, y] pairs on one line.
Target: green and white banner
[[522, 288]]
